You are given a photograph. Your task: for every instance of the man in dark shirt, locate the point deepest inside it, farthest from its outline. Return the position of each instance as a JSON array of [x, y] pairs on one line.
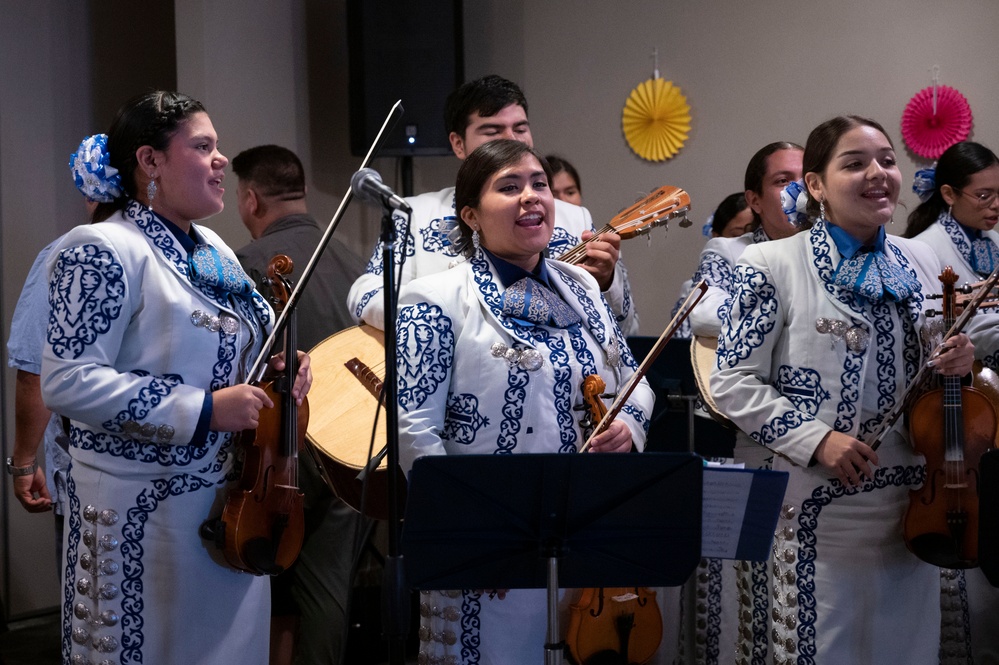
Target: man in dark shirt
[[271, 193]]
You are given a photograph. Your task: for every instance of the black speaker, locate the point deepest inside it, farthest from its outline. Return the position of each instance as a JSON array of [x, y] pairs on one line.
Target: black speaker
[[988, 516], [408, 50]]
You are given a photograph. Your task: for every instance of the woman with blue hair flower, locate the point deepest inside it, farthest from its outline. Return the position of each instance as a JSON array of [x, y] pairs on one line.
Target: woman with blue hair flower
[[823, 337], [152, 330], [960, 209], [957, 218]]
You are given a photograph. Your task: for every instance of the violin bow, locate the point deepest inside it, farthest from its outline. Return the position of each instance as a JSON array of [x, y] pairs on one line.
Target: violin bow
[[694, 297], [890, 418], [260, 364]]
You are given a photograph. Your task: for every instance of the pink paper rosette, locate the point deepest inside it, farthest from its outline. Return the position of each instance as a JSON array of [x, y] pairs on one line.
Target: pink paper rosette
[[928, 134]]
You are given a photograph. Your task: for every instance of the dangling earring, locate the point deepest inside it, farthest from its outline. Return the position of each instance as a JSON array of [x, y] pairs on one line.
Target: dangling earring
[[822, 210], [950, 212], [150, 192], [475, 240]]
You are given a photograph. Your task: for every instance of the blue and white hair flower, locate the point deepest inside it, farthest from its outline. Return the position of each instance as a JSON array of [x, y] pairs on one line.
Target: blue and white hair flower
[[925, 182], [794, 199], [707, 226], [92, 172]]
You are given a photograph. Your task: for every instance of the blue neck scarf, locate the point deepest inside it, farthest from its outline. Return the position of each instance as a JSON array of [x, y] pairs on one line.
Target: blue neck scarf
[[206, 266], [867, 270], [528, 297]]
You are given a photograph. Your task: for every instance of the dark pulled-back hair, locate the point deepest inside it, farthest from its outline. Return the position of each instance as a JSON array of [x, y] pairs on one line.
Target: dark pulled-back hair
[[730, 206], [486, 96], [822, 142], [757, 167], [481, 165], [275, 171], [756, 170], [560, 164], [149, 119], [955, 168]]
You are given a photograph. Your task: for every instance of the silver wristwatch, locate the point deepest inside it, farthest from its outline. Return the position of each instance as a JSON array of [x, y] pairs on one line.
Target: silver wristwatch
[[21, 470]]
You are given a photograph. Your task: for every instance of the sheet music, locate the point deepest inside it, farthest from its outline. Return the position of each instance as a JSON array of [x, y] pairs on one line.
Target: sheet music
[[723, 507]]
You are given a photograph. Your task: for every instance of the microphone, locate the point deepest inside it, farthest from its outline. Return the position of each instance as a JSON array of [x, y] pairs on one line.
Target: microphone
[[367, 185]]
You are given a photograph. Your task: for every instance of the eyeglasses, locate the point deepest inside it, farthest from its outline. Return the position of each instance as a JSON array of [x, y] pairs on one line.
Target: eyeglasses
[[985, 199]]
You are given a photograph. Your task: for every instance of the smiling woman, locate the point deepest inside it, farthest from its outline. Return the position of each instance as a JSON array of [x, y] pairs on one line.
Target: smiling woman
[[492, 358], [152, 328], [826, 331]]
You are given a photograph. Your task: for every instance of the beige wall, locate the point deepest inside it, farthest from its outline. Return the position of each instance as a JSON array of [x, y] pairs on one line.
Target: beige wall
[[753, 72]]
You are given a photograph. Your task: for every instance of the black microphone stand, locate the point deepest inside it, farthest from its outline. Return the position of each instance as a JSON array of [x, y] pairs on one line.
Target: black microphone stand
[[395, 594]]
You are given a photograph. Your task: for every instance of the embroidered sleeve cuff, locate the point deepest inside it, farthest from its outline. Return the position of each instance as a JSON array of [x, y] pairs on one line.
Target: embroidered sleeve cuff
[[201, 431]]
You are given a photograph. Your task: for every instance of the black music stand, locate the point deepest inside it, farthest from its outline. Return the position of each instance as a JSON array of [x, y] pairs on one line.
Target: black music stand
[[550, 521]]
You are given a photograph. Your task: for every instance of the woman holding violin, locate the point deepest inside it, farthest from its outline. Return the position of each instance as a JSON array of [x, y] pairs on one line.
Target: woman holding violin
[[823, 339], [152, 329], [492, 357], [957, 218]]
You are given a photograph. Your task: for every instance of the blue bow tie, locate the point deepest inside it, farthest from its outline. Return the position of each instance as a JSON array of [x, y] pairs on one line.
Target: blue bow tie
[[528, 300], [208, 267], [984, 255], [872, 275]]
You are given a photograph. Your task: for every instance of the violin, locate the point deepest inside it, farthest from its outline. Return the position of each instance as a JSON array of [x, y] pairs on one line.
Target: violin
[[612, 625], [951, 426], [263, 522]]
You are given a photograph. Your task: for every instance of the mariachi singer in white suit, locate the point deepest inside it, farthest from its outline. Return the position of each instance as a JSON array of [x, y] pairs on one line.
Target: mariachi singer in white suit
[[492, 356], [152, 329], [823, 339]]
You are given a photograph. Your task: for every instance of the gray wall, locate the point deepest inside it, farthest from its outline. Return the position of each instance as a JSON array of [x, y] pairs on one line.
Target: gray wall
[[753, 72]]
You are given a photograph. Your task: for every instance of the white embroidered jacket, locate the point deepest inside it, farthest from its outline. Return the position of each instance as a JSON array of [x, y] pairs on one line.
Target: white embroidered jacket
[[457, 392], [133, 345], [786, 384]]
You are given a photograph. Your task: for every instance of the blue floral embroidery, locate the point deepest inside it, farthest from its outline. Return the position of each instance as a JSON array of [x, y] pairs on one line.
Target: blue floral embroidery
[[712, 633], [365, 299], [562, 241], [638, 415], [716, 272], [802, 387], [150, 453], [761, 611], [463, 419], [513, 409], [534, 336], [74, 526], [148, 397], [133, 531], [808, 521], [754, 311], [471, 623], [779, 426], [86, 296], [402, 235], [426, 352], [435, 236]]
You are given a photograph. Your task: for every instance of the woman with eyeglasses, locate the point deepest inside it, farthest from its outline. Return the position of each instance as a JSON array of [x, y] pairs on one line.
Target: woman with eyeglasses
[[957, 219], [960, 210]]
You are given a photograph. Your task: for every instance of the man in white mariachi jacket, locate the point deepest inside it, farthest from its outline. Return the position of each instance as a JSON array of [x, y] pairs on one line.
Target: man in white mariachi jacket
[[136, 345], [784, 388], [482, 110], [474, 380]]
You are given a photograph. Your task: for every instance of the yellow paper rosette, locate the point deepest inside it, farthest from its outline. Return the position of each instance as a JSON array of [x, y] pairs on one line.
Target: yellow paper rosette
[[656, 119]]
